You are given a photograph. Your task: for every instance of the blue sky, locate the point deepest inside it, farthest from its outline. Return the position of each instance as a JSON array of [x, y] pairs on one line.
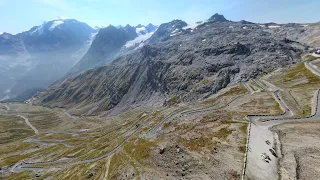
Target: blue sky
[[20, 15]]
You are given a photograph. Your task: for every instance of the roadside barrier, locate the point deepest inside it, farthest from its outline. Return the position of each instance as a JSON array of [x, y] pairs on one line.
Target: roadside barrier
[[246, 153]]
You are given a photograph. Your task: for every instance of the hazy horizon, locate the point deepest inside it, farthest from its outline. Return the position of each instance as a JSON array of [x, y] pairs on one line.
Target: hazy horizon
[[101, 13]]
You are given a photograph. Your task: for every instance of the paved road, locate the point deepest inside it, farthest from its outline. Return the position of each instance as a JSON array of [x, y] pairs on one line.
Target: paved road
[[250, 90], [260, 132], [286, 111], [262, 86], [29, 124], [153, 131], [311, 67], [47, 142]]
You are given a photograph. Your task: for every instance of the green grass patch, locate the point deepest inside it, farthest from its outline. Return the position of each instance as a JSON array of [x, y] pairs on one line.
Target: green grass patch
[[25, 175], [244, 130], [173, 99], [238, 90], [209, 101], [139, 149], [301, 72], [201, 83]]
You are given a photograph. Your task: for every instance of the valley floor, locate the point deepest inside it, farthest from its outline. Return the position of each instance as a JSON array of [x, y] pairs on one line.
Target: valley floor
[[216, 138]]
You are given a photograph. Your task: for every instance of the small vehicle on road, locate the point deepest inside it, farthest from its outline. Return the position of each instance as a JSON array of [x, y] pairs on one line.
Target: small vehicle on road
[[265, 155], [264, 158], [268, 142], [273, 153]]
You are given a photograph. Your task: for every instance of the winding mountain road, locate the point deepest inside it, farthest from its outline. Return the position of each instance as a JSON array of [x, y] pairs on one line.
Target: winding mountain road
[[153, 131], [260, 132]]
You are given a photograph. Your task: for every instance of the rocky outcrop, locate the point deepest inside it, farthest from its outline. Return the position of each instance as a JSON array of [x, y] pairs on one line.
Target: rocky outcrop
[[218, 18]]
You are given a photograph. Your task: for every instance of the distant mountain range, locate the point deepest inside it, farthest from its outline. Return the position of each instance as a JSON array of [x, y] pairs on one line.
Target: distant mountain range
[[38, 57], [60, 48], [46, 53]]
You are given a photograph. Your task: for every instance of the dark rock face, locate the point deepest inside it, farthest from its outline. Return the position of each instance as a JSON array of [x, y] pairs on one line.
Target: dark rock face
[[218, 18], [151, 28], [245, 22], [185, 66], [166, 30], [104, 48], [108, 45]]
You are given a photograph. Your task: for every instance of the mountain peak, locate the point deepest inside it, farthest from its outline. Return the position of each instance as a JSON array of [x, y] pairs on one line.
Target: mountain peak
[[150, 27], [51, 25], [139, 26], [218, 18]]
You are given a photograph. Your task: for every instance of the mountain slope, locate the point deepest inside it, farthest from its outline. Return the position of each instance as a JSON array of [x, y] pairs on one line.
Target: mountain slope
[[182, 66], [110, 43]]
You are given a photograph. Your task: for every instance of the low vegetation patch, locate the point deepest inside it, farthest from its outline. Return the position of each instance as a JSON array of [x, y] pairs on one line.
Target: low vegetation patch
[[301, 72], [238, 90], [13, 128], [309, 58], [139, 149]]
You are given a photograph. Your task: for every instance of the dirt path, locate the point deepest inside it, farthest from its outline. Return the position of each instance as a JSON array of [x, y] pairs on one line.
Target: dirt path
[[107, 168], [29, 124]]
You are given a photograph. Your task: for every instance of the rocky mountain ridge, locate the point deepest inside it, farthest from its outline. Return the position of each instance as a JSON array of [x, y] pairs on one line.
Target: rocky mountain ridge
[[179, 63]]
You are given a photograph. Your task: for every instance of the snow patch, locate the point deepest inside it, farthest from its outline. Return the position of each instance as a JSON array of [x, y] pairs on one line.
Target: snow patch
[[138, 40], [55, 24], [1, 33], [141, 31], [58, 18], [204, 40], [39, 29], [274, 26], [193, 26]]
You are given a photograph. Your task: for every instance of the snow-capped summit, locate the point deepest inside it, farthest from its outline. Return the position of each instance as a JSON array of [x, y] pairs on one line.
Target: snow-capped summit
[[48, 25], [58, 23]]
